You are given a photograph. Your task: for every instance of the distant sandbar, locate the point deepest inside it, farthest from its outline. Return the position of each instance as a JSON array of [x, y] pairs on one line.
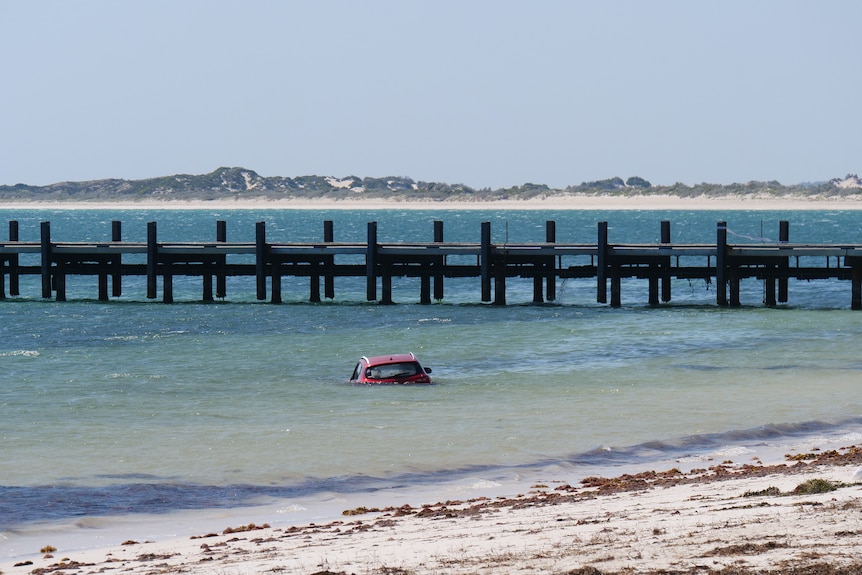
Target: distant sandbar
[[572, 202]]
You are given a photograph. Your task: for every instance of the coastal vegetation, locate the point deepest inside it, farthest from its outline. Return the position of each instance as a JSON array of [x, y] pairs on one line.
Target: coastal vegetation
[[244, 184]]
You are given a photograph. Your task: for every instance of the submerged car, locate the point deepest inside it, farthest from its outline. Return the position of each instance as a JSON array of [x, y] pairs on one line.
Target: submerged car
[[400, 368]]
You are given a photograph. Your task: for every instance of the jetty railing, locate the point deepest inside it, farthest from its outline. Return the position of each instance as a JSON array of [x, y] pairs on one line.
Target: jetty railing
[[432, 262]]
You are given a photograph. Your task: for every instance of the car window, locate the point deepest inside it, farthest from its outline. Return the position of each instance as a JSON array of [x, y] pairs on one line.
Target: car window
[[393, 370]]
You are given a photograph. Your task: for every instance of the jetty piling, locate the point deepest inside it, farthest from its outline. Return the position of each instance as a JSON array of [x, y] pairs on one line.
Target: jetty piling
[[116, 267], [328, 262], [549, 268], [665, 263], [856, 282], [371, 264], [485, 261], [439, 262], [260, 253], [721, 277], [543, 264], [9, 261], [784, 262], [602, 263]]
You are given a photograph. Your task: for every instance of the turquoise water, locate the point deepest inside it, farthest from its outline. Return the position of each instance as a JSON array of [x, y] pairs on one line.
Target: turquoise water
[[133, 407]]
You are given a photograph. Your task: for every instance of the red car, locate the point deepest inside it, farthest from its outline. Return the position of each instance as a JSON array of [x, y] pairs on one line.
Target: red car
[[399, 368]]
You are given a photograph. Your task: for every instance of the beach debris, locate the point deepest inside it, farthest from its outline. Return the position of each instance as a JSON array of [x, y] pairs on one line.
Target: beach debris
[[747, 548], [770, 491], [64, 565], [809, 487], [360, 511], [146, 557], [244, 528], [817, 485]]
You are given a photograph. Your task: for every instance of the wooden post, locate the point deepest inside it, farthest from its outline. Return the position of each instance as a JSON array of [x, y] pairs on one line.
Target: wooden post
[[855, 283], [537, 282], [207, 295], [613, 269], [439, 263], [371, 263], [386, 283], [45, 230], [385, 267], [208, 270], [221, 276], [275, 266], [314, 282], [60, 280], [13, 260], [318, 265], [500, 280], [329, 262], [665, 231], [601, 263], [616, 288], [260, 259], [425, 284], [485, 261], [538, 275], [103, 282], [653, 286], [769, 285], [167, 281], [783, 231], [314, 267], [784, 264], [117, 260], [656, 270], [720, 263], [775, 272], [550, 275], [152, 260], [428, 267], [734, 281], [109, 265], [209, 265], [665, 276], [10, 263]]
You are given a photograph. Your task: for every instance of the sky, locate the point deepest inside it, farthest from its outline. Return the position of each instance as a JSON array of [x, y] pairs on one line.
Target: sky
[[486, 93]]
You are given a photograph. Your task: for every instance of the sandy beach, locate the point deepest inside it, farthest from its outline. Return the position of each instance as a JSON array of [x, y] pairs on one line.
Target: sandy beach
[[582, 202], [800, 515]]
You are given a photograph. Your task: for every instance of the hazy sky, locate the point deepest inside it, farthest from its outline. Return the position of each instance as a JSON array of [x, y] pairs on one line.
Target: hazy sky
[[488, 93]]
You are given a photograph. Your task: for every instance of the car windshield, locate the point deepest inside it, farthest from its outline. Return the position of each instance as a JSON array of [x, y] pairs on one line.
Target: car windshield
[[392, 370]]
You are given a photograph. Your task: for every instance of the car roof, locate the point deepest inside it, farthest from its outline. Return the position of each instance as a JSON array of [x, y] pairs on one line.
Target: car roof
[[392, 358]]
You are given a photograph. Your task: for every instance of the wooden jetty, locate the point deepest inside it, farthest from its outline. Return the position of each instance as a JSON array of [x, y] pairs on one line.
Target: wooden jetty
[[432, 262]]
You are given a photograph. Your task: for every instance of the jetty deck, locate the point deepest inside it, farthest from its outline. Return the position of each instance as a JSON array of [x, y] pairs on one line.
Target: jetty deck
[[432, 262]]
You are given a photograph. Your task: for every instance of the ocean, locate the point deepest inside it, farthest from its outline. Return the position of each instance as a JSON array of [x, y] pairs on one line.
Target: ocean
[[138, 416]]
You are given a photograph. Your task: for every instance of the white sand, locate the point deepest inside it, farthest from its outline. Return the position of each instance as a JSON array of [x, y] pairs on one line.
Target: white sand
[[552, 203], [702, 521]]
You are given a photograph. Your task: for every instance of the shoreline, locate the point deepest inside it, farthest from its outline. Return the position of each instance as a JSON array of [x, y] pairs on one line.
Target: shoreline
[[549, 203], [736, 518], [741, 509]]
